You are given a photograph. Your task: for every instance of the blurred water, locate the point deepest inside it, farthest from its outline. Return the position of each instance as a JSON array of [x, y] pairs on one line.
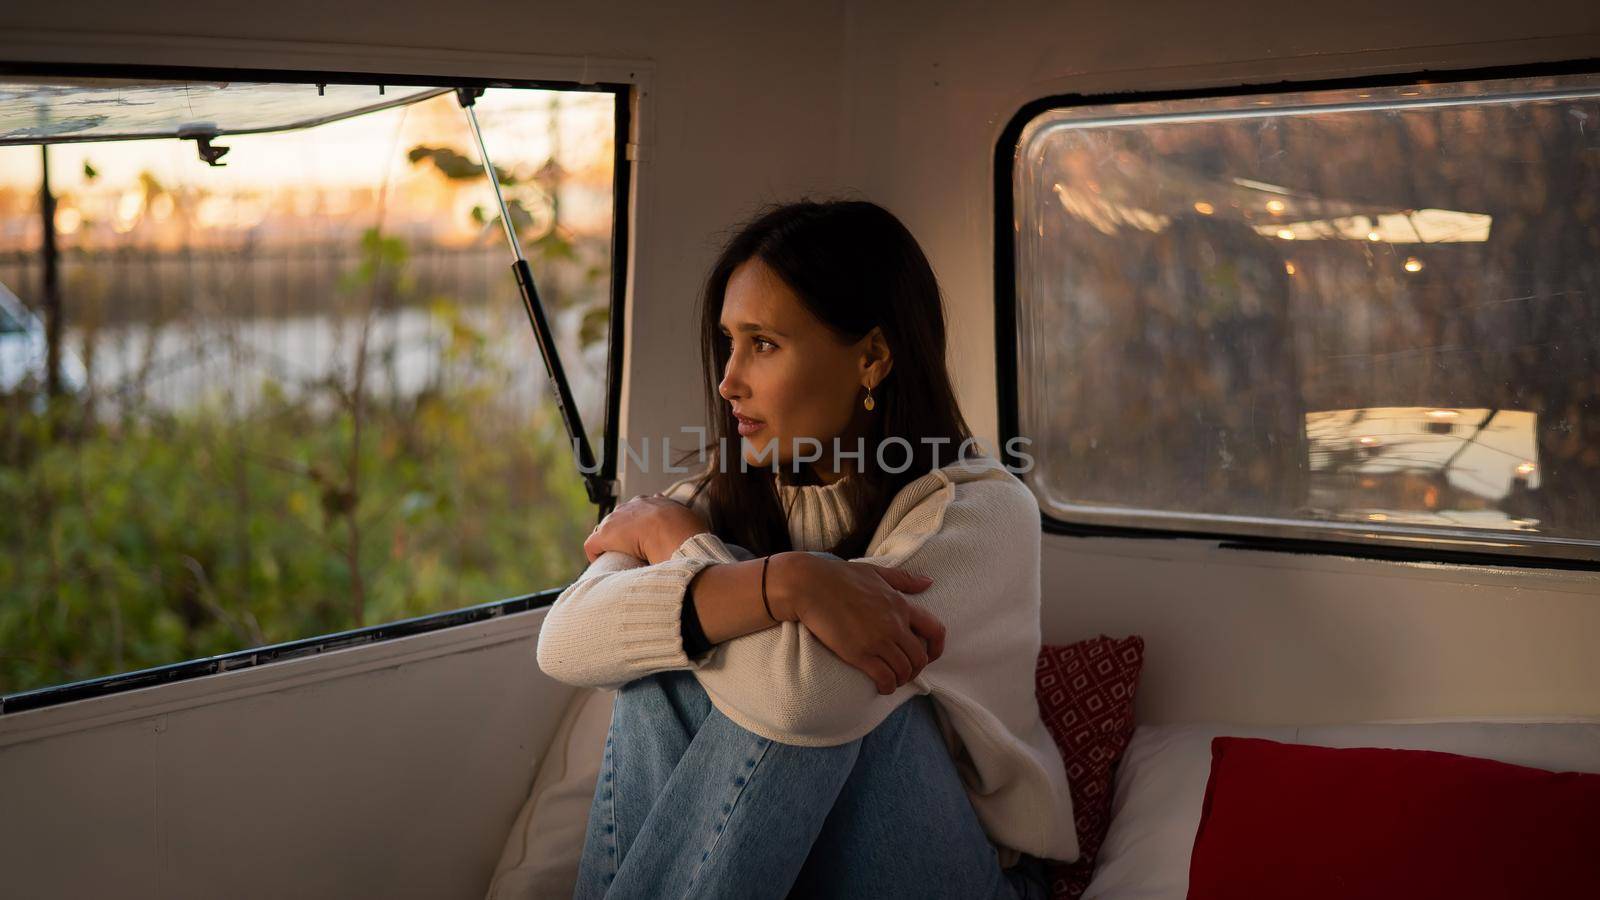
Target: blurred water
[[230, 361]]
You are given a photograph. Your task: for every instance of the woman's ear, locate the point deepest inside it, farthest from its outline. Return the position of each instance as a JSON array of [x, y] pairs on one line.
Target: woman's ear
[[876, 360]]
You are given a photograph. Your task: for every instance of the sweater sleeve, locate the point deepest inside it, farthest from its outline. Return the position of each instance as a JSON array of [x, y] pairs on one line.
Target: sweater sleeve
[[623, 619], [979, 541], [619, 621], [707, 546]]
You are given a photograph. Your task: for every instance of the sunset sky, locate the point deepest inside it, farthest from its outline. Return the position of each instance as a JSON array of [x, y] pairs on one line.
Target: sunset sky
[[365, 152]]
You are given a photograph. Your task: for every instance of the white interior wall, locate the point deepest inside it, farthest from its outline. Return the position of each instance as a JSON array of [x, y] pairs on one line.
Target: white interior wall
[[393, 770], [747, 103]]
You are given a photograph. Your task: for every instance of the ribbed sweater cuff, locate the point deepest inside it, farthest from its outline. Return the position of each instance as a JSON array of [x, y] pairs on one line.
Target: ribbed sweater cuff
[[650, 616], [706, 546]]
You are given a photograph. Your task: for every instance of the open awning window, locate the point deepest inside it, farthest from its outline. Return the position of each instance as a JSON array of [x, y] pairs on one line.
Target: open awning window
[[62, 110]]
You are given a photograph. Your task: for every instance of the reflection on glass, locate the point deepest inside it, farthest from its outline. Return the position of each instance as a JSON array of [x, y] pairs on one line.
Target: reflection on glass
[[1424, 466], [1288, 314]]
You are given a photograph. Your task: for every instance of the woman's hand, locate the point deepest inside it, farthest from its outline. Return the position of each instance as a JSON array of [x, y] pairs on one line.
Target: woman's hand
[[649, 527], [857, 610]]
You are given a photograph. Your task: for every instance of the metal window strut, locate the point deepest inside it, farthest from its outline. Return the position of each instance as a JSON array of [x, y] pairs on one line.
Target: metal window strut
[[602, 490]]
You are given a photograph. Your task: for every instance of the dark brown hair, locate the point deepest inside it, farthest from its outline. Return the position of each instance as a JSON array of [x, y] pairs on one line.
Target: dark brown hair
[[854, 266]]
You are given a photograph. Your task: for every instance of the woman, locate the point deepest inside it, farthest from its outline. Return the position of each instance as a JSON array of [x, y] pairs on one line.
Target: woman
[[823, 644]]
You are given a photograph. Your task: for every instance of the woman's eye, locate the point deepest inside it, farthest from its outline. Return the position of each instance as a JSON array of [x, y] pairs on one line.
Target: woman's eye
[[762, 345]]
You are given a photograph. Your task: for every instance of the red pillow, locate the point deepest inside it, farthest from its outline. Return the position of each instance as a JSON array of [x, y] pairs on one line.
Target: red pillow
[[1085, 693], [1288, 820]]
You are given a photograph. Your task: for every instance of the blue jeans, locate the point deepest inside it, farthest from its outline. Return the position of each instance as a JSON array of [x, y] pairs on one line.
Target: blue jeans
[[689, 804]]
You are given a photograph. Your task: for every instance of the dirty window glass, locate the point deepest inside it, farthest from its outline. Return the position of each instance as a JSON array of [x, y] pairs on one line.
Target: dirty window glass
[[1367, 315]]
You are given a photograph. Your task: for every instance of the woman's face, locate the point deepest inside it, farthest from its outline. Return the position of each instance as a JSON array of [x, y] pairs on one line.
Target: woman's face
[[789, 376]]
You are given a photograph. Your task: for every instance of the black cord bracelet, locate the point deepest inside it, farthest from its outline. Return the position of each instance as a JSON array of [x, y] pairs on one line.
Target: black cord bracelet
[[765, 605]]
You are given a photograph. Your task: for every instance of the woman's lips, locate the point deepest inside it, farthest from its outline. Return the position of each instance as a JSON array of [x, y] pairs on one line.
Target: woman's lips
[[748, 427]]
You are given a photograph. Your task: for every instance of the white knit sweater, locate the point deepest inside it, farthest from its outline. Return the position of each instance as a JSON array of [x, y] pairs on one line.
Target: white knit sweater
[[972, 527]]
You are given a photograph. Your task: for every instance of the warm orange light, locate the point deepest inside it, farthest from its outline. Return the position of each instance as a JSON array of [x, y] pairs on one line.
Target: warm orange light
[[1204, 208], [1442, 413], [1373, 236], [1275, 206], [1526, 468], [1369, 441], [1286, 234], [1377, 517], [1289, 267], [1413, 264]]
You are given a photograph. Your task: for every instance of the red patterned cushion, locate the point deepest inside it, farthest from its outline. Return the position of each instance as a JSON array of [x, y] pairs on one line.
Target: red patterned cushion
[[1085, 692]]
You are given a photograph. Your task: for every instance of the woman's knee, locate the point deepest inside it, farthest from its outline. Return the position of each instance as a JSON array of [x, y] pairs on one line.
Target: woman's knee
[[661, 685], [914, 720], [677, 693], [910, 747]]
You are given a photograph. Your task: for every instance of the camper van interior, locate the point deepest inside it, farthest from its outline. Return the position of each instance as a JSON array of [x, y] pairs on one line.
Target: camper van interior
[[359, 365]]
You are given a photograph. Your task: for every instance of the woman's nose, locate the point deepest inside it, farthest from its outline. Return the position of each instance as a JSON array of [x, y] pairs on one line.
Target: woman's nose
[[731, 387]]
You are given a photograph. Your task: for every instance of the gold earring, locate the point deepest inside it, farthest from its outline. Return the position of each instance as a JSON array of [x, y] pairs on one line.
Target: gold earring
[[868, 402]]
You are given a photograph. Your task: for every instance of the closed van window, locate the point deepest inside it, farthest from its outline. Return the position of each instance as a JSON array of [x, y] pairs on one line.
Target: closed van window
[[1364, 315]]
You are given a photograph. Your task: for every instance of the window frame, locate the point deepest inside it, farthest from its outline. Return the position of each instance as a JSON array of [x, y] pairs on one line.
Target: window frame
[[1008, 375], [622, 193]]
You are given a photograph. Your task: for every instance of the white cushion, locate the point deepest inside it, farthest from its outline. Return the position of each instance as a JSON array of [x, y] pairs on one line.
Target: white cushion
[[1161, 782], [541, 855]]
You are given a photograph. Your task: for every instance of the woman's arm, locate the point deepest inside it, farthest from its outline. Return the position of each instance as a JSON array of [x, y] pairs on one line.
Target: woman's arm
[[864, 619], [620, 619], [979, 541], [727, 598]]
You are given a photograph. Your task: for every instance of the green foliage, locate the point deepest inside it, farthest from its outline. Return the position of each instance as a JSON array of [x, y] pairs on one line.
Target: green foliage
[[382, 262], [160, 536], [143, 543], [540, 189], [453, 165]]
